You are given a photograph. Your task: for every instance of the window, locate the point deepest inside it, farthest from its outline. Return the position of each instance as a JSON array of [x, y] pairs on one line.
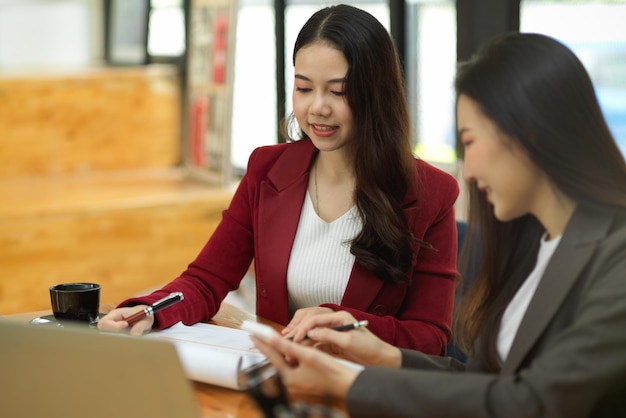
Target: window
[[166, 28], [39, 34], [254, 95], [431, 64], [595, 32]]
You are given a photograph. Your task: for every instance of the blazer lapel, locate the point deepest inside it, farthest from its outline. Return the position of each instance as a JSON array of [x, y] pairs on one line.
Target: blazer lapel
[[577, 246], [280, 204], [362, 288]]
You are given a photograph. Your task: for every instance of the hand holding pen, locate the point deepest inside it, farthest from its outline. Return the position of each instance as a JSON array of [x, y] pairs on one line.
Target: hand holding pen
[[157, 306], [347, 327], [361, 346], [266, 332]]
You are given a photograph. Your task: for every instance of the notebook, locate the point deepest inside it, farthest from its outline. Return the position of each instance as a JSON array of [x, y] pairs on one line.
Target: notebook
[[78, 372]]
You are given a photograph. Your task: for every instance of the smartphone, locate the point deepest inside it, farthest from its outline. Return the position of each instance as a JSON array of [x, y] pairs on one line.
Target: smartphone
[[264, 332]]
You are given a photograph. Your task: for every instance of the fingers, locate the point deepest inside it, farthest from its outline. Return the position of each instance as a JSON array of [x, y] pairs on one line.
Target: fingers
[[278, 350], [107, 324], [311, 318], [359, 345], [115, 321], [329, 320], [274, 356], [290, 326], [313, 371], [301, 316], [334, 341], [142, 327], [290, 349]]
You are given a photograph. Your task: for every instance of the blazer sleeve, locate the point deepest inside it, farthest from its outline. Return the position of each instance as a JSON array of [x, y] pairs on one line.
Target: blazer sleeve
[[219, 267], [580, 371]]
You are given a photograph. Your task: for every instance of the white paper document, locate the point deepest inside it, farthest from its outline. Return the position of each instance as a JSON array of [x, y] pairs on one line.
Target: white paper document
[[211, 353], [215, 354]]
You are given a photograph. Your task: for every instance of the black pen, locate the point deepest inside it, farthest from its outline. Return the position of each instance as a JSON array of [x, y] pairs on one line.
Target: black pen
[[347, 327], [157, 306]]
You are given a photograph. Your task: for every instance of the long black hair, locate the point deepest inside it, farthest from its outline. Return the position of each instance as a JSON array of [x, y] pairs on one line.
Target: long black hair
[[539, 95], [381, 147]]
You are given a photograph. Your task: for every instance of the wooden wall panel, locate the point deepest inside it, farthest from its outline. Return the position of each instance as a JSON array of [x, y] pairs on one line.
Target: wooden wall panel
[[90, 121]]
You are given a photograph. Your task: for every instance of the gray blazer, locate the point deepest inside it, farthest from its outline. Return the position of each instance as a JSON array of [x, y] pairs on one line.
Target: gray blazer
[[567, 360]]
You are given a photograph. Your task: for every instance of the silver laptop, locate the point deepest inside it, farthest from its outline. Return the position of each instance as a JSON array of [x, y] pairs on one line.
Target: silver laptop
[[80, 372]]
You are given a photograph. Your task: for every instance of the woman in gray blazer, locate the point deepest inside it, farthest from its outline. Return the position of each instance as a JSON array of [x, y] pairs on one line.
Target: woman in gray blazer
[[544, 323]]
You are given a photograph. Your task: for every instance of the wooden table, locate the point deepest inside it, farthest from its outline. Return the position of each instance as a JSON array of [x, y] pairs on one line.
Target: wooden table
[[215, 401]]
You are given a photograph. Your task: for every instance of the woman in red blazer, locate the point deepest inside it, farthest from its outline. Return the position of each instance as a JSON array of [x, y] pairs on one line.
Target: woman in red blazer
[[351, 163]]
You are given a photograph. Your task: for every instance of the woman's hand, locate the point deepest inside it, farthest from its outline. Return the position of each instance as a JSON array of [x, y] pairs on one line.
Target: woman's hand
[[115, 321], [359, 345], [308, 371], [294, 328]]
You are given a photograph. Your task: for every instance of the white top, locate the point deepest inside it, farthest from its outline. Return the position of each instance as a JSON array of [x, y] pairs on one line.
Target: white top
[[517, 307], [320, 263]]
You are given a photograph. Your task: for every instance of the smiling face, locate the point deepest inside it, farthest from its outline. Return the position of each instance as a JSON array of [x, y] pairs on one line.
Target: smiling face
[[319, 102], [499, 167]]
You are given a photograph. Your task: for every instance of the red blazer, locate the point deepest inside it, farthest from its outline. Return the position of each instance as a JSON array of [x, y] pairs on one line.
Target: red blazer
[[261, 224]]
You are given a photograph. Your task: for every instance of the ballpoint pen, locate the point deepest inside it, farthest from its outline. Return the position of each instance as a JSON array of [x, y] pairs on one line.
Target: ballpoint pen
[[347, 327], [157, 306]]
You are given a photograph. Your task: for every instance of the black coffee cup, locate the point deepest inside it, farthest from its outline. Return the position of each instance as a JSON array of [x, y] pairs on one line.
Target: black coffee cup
[[75, 301]]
